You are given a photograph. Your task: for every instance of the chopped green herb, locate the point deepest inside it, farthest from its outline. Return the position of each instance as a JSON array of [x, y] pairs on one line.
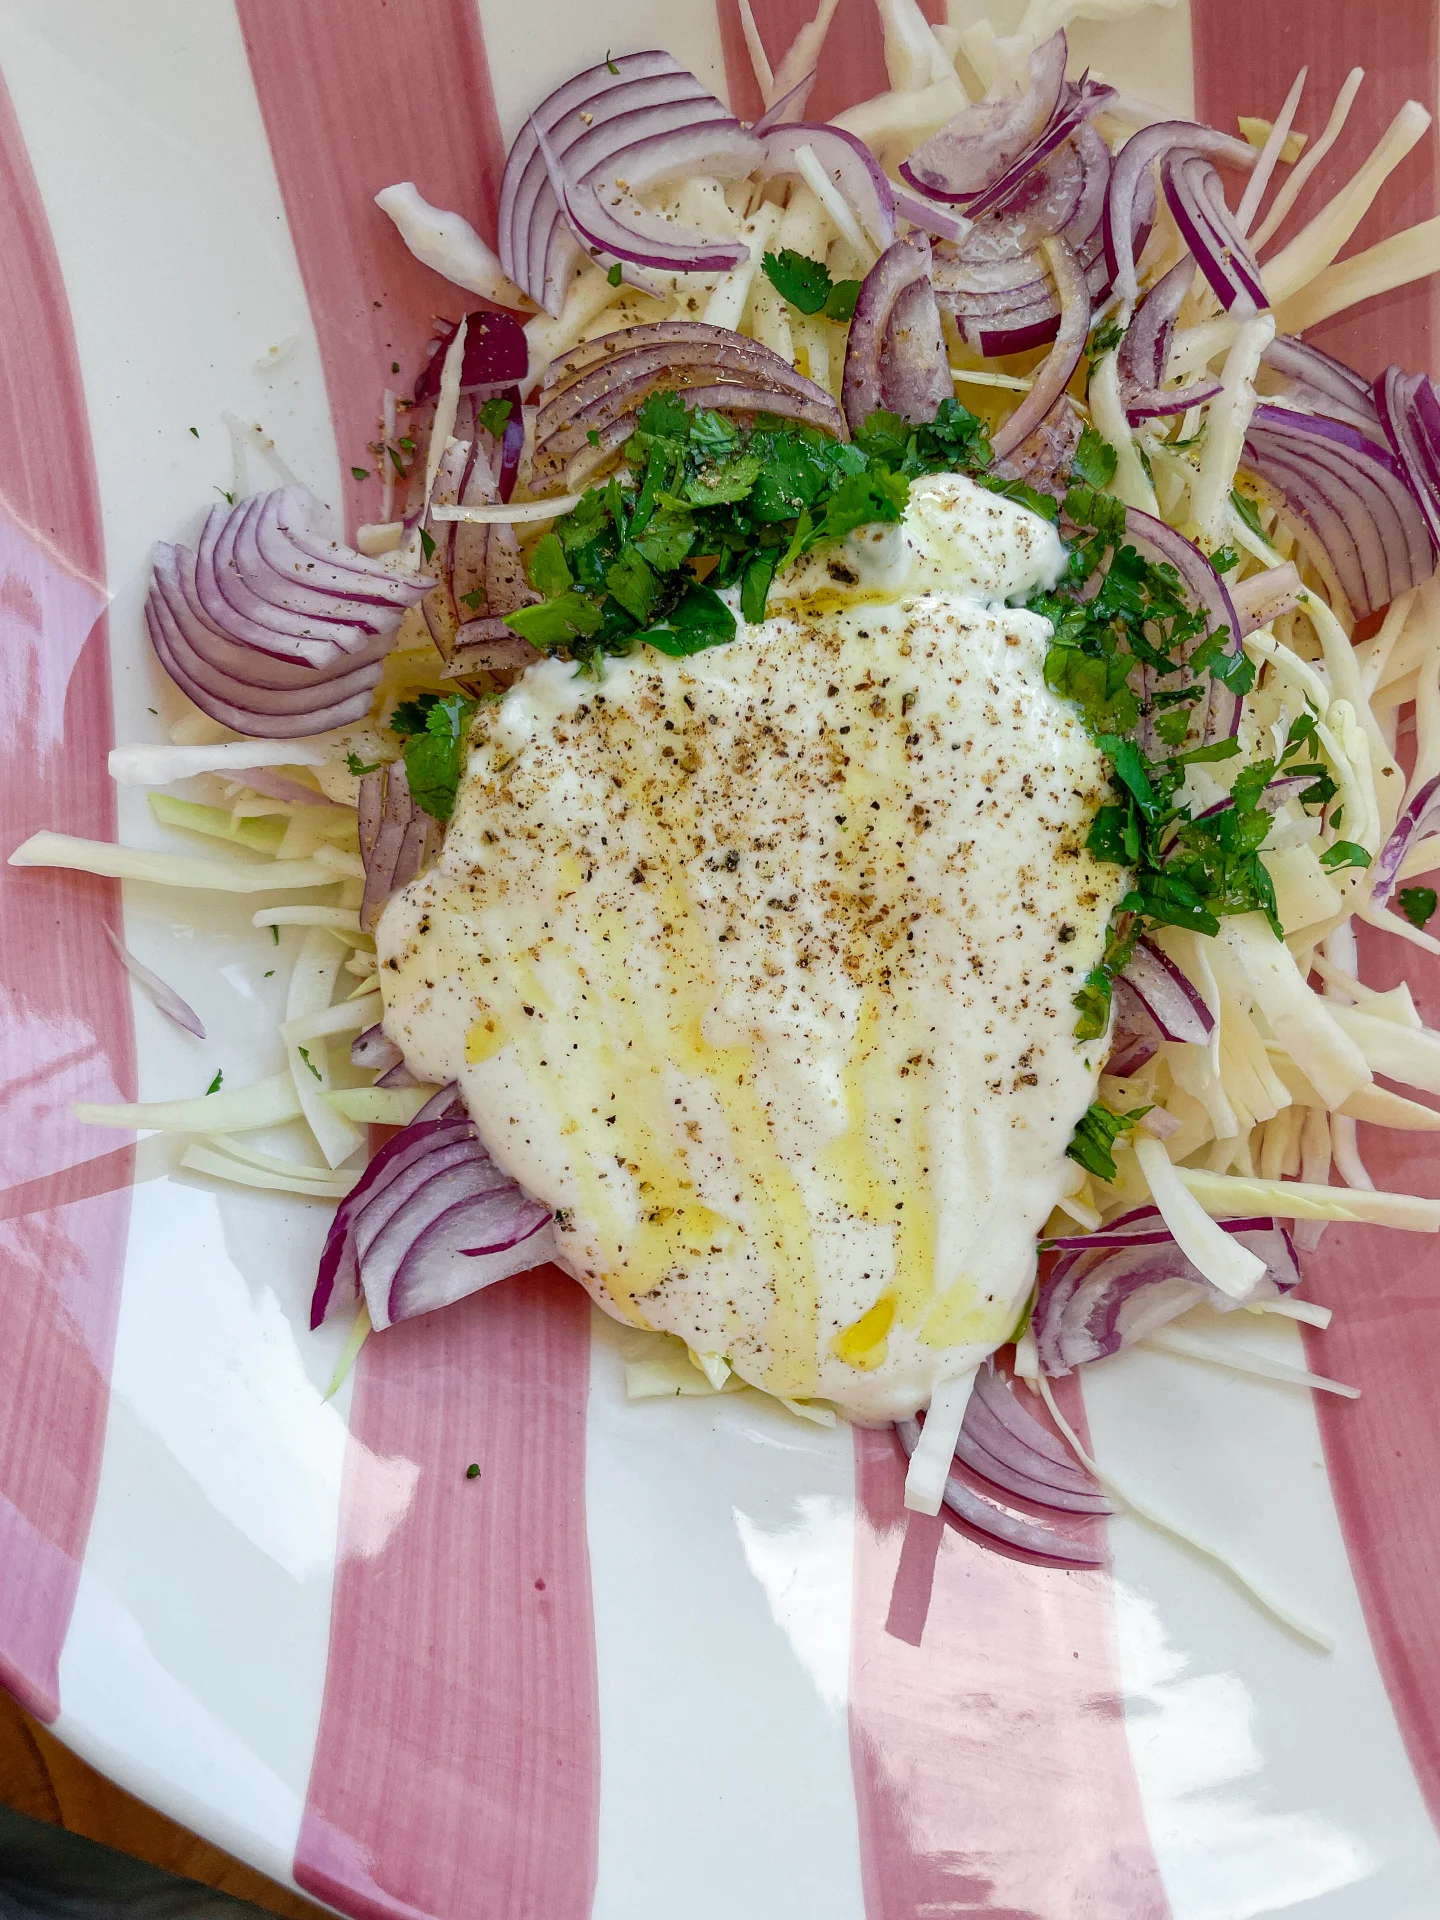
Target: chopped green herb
[[623, 566], [396, 461], [613, 69], [435, 731], [1418, 904], [269, 973], [472, 1472], [1224, 559], [360, 473], [1095, 459], [394, 366], [196, 432], [274, 934], [474, 601], [360, 767], [229, 498], [807, 285], [616, 274], [427, 545], [1106, 337], [495, 416], [304, 1055], [217, 1082], [1093, 1144], [593, 436], [1247, 510], [1344, 853]]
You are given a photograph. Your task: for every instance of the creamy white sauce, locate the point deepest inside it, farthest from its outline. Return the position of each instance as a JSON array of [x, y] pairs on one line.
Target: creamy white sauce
[[757, 966]]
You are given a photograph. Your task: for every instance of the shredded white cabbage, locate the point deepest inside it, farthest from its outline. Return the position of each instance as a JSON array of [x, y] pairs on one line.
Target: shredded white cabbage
[[167, 869], [1217, 1353], [930, 1463]]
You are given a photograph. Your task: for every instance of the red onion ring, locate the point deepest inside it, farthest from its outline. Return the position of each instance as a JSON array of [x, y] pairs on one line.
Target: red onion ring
[[1421, 811], [1208, 593], [1078, 103], [641, 118], [1354, 495], [1197, 199], [984, 140], [497, 354], [1132, 170], [1006, 1445], [1053, 378], [895, 358], [1110, 1289], [920, 213], [1176, 1007], [997, 1522], [854, 171], [374, 1051], [156, 991], [1322, 384], [790, 106], [1145, 349], [397, 838], [1414, 434]]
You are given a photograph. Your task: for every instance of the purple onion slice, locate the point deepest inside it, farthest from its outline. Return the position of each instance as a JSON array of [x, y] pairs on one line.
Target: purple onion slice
[[982, 141], [895, 358], [847, 162], [1132, 176], [1197, 199], [1421, 812], [1172, 1002], [998, 1522], [1053, 378]]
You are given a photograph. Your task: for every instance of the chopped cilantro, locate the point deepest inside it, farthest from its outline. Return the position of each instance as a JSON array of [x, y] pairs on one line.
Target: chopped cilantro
[[806, 284], [435, 730], [394, 366], [229, 498], [610, 64], [360, 473], [702, 496], [1247, 510], [216, 1083], [427, 545], [274, 933], [1093, 1143], [1095, 459], [495, 416], [304, 1055], [196, 432], [1344, 853], [474, 601], [1418, 904], [396, 461], [472, 1472], [616, 274], [1224, 559], [1106, 337], [359, 767]]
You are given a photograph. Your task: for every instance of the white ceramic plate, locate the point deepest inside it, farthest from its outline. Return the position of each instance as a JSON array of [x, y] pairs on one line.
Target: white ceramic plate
[[679, 1657]]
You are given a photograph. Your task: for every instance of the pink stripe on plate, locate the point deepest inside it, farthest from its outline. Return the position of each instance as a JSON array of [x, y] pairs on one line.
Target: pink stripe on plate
[[987, 1733], [456, 1776], [357, 94], [1383, 1451], [65, 1028]]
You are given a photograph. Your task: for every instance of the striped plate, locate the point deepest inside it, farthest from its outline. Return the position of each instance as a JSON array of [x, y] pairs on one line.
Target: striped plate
[[685, 1657]]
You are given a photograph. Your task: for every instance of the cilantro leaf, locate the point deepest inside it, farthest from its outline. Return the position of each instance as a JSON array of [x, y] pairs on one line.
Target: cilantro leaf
[[804, 282], [633, 585], [1095, 460], [556, 623], [1247, 510], [1418, 904], [305, 1056], [616, 274], [699, 619], [219, 1080], [840, 303], [434, 757], [427, 545], [1093, 1143], [1344, 853], [1224, 559], [549, 571], [359, 768], [495, 416]]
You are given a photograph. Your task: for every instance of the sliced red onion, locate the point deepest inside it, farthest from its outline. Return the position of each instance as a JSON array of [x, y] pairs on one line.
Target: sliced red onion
[[984, 140], [1263, 597], [1053, 378], [1353, 494], [1112, 1288], [1134, 1036], [1128, 180], [1145, 350], [1323, 383], [1077, 104], [1196, 195], [275, 786], [1045, 456], [790, 106], [998, 1522], [847, 162], [895, 358], [612, 223], [1006, 1445], [264, 580], [488, 646], [429, 1198], [497, 354], [599, 387], [154, 988], [1409, 411], [374, 1051], [1287, 787], [641, 118], [1421, 813], [242, 688], [1168, 997], [396, 838], [399, 1076]]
